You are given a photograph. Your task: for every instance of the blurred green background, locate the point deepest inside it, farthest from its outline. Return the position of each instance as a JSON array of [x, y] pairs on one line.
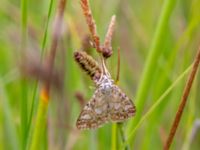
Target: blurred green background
[[137, 33]]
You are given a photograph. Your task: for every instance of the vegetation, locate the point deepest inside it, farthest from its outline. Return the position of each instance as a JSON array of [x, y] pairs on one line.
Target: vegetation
[[42, 89]]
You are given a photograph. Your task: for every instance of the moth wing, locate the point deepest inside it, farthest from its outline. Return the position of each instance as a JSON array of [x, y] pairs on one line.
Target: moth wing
[[121, 106], [94, 114]]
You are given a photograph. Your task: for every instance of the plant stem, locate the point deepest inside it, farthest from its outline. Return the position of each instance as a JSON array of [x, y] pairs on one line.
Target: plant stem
[[114, 136], [155, 105], [154, 53], [8, 119], [43, 46], [121, 131], [24, 87], [40, 120], [46, 28], [183, 101], [44, 96]]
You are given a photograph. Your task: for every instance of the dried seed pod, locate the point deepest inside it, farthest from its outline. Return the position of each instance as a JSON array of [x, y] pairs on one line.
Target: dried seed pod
[[91, 23], [88, 64], [107, 52], [107, 47]]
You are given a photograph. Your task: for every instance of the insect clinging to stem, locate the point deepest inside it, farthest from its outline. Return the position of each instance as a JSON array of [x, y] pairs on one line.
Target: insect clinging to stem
[[108, 102]]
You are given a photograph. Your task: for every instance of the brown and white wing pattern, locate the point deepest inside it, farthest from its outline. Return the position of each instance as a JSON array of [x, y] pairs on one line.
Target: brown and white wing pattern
[[94, 113], [121, 106], [108, 103]]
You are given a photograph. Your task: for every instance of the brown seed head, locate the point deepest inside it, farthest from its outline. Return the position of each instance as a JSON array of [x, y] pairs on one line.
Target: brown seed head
[[88, 64]]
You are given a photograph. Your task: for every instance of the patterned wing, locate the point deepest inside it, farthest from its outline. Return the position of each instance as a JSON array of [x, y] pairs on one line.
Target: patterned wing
[[120, 106], [94, 113]]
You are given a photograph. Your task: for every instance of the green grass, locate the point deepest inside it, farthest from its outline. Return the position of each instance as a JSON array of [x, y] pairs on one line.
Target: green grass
[[24, 85], [158, 41], [155, 52]]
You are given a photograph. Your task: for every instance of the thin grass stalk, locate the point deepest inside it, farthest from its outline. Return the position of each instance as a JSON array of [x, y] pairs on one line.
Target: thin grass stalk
[[183, 101], [122, 135], [115, 126], [191, 117], [24, 91], [41, 119], [184, 39], [155, 105], [42, 53], [23, 114], [46, 28], [24, 19], [154, 53], [114, 137], [45, 92], [12, 137]]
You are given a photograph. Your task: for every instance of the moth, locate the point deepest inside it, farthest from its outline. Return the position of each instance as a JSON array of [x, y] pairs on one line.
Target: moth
[[108, 102]]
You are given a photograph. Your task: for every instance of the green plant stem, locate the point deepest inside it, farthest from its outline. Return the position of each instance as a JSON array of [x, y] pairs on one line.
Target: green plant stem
[[23, 16], [44, 97], [121, 132], [42, 53], [23, 113], [46, 28], [154, 53], [41, 57], [184, 41], [41, 120], [24, 87], [8, 119], [114, 136], [156, 104]]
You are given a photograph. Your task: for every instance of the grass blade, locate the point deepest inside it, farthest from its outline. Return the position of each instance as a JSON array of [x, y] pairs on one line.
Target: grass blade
[[154, 53], [156, 104]]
